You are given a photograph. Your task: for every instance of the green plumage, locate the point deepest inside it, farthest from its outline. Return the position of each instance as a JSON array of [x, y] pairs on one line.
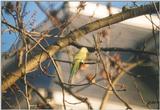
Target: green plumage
[[74, 70], [78, 58]]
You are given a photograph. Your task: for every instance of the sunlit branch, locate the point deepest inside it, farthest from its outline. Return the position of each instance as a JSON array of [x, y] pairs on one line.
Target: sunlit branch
[[71, 37]]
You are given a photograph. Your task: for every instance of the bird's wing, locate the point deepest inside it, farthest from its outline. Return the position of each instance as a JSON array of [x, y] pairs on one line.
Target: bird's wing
[[74, 70]]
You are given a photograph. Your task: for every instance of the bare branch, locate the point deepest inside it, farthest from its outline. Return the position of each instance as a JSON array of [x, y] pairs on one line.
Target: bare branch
[[43, 99], [82, 99], [116, 49], [71, 37]]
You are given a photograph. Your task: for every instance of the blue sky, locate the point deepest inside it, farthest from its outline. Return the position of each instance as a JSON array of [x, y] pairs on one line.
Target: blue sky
[[7, 38]]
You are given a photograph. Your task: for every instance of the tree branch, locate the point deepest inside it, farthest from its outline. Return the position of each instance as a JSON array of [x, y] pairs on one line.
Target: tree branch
[[115, 49], [82, 99], [73, 36]]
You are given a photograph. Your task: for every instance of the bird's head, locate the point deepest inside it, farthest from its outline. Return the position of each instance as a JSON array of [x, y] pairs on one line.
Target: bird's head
[[84, 50]]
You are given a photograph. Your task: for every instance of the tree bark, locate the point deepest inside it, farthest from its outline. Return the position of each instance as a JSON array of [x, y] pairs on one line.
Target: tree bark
[[73, 36]]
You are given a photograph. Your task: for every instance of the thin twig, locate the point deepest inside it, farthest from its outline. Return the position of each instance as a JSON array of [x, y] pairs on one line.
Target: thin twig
[[139, 92], [20, 26], [82, 99], [77, 84], [73, 103], [58, 74], [71, 37], [17, 101], [148, 18], [67, 61], [115, 49], [156, 9], [43, 99], [109, 80], [45, 73], [157, 51], [106, 88]]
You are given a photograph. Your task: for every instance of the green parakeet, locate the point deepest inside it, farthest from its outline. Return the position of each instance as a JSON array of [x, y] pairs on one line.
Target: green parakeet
[[78, 58]]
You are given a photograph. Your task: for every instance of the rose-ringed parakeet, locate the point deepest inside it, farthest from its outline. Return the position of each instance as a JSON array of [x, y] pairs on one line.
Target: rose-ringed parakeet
[[78, 59]]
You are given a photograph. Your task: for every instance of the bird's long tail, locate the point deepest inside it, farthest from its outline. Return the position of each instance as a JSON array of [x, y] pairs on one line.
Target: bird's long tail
[[73, 71]]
